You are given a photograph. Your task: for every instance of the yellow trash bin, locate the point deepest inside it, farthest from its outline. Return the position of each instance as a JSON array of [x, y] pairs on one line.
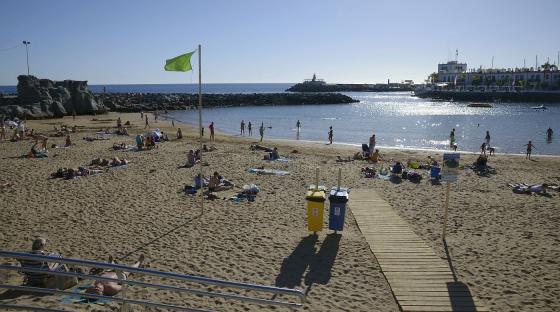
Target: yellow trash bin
[[315, 207]]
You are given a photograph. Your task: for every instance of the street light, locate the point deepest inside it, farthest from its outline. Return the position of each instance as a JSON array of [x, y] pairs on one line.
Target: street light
[[27, 52]]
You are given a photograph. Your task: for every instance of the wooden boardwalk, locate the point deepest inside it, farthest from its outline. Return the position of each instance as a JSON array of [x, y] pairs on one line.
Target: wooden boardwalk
[[419, 279]]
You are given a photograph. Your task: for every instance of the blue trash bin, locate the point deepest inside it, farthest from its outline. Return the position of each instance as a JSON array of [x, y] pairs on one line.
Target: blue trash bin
[[337, 210]]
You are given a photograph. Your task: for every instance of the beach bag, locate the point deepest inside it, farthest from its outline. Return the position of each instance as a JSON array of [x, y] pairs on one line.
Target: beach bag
[[414, 176]]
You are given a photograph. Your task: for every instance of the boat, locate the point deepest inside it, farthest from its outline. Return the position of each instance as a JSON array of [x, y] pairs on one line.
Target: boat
[[539, 107], [479, 105]]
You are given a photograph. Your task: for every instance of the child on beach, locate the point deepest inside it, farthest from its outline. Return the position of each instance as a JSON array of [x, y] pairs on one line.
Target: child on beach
[[530, 147]]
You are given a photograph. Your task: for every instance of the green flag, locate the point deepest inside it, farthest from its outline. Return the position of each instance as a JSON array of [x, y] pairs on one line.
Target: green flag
[[180, 63]]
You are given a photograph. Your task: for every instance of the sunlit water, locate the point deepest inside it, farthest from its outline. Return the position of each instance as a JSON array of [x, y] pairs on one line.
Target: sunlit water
[[399, 120]]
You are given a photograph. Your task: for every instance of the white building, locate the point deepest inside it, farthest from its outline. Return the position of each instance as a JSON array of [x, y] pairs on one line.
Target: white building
[[456, 75]]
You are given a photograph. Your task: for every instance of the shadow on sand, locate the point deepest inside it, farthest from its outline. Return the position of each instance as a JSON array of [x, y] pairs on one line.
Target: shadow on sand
[[460, 296], [320, 264], [296, 263]]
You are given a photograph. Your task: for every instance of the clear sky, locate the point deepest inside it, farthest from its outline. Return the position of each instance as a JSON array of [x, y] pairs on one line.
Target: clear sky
[[122, 42]]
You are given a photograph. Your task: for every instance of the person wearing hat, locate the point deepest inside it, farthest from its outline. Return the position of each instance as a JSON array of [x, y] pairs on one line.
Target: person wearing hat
[[41, 279]]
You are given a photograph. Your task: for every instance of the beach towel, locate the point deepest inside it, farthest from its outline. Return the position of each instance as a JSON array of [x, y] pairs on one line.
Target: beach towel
[[77, 298], [284, 159], [268, 171]]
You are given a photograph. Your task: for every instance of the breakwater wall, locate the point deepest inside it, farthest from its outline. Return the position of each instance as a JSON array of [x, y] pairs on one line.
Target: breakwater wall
[[135, 102], [348, 87], [529, 96]]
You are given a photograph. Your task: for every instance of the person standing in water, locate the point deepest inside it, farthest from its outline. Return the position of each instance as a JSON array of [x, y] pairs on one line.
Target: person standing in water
[[530, 147], [549, 133], [250, 128], [452, 138], [487, 138], [330, 135], [261, 130], [298, 125], [242, 127]]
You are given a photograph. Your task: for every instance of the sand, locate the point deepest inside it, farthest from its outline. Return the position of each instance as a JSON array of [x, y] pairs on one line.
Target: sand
[[505, 246]]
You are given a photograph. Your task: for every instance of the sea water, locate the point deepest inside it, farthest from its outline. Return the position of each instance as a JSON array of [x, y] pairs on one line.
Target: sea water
[[399, 120]]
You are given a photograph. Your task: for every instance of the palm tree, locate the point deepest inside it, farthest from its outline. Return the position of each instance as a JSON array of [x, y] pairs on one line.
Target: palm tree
[[433, 77], [546, 66]]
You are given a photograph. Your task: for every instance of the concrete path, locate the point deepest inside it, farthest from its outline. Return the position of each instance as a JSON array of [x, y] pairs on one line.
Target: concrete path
[[419, 279]]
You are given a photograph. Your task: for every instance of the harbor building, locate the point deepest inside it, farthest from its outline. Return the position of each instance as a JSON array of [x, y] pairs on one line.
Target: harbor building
[[455, 75]]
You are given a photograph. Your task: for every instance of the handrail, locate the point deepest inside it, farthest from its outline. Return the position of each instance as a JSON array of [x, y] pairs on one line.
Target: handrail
[[169, 275]]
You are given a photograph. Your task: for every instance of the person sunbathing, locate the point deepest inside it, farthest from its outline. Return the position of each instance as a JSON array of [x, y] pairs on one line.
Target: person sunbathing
[[375, 156], [397, 168], [111, 288], [41, 279], [217, 183], [115, 161], [274, 154], [191, 159]]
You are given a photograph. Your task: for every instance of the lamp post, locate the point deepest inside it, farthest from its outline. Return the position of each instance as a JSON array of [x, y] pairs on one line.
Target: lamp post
[[27, 52]]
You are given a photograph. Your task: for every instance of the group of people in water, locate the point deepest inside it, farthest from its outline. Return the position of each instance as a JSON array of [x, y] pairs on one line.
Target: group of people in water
[[485, 147]]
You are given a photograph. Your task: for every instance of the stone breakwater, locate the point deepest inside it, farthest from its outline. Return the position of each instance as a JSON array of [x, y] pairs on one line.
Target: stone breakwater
[[521, 96], [135, 102]]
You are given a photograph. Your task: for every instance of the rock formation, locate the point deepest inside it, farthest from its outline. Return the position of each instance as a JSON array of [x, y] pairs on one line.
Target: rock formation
[[44, 98]]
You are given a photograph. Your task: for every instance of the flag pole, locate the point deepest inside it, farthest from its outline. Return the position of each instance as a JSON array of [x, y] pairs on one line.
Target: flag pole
[[200, 127]]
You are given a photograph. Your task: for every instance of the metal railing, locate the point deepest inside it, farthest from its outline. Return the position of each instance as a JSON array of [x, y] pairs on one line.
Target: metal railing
[[292, 304]]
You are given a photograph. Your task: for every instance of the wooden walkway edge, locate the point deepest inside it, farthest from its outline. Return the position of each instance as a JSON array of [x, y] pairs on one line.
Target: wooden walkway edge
[[419, 279]]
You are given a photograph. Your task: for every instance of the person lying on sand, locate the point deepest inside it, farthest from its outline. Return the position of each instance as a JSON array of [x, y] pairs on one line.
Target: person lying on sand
[[207, 149], [113, 162], [217, 183], [110, 288]]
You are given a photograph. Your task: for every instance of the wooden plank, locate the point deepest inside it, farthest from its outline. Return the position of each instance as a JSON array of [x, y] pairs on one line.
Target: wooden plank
[[419, 278], [413, 308]]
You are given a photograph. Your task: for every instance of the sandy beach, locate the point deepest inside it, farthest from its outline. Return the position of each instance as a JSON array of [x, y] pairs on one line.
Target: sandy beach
[[505, 246]]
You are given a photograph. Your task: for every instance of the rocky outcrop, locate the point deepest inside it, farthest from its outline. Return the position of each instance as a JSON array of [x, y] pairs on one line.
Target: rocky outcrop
[[44, 98], [134, 102]]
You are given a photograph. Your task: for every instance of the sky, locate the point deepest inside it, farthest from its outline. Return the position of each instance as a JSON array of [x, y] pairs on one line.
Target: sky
[[252, 41]]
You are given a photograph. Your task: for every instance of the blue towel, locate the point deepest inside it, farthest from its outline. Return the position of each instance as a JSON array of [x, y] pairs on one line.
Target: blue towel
[[78, 290]]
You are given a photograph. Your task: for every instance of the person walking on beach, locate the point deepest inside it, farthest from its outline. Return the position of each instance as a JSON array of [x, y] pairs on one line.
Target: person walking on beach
[[371, 144], [250, 128], [242, 127], [141, 114], [549, 133], [487, 138], [483, 148], [211, 127], [261, 130], [530, 147], [330, 134], [147, 122]]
